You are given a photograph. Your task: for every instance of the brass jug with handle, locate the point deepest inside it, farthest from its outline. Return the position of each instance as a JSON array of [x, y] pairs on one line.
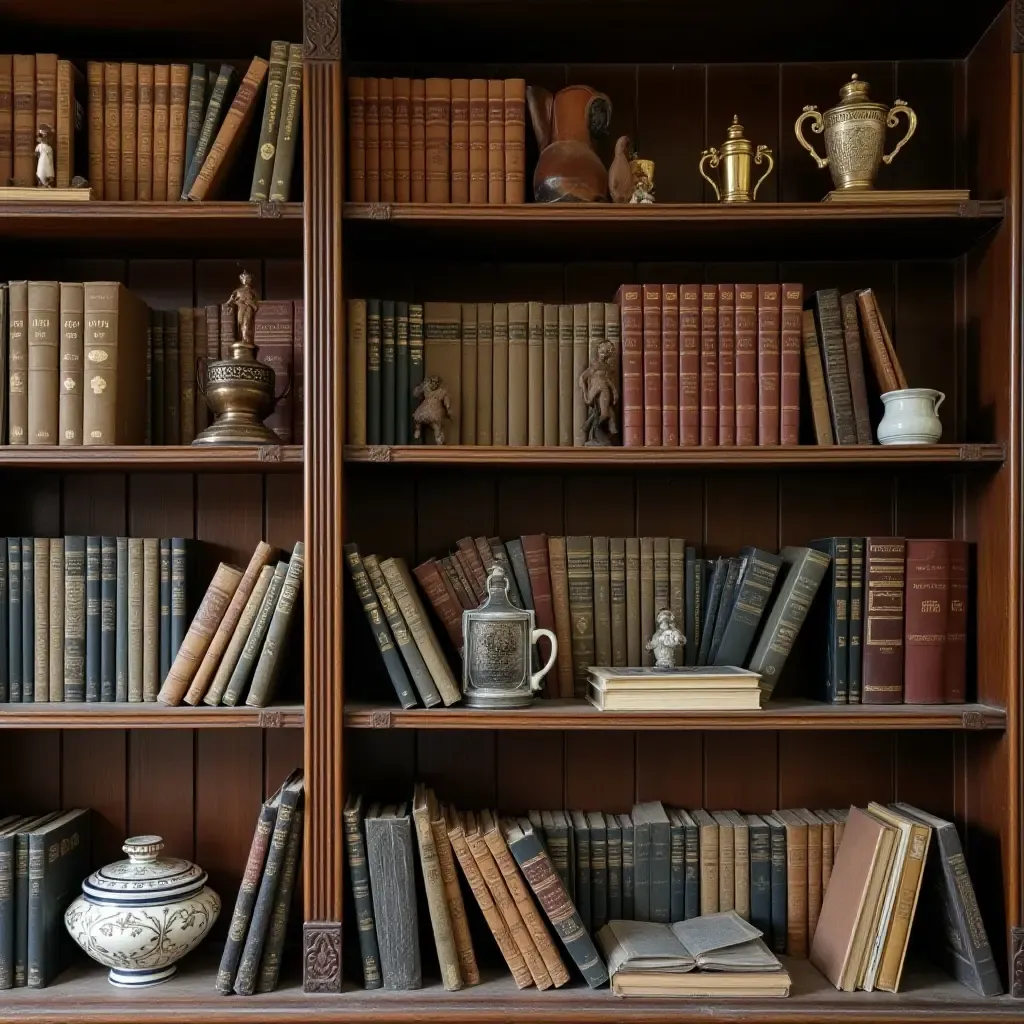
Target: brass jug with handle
[[855, 135], [736, 159]]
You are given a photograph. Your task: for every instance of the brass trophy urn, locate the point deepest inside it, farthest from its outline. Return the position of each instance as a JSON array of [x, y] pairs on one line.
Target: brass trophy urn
[[240, 389], [855, 135], [736, 159]]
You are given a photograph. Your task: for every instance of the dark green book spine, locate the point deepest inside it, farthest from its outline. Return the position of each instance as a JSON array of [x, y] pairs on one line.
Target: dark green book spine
[[270, 961], [215, 111], [194, 122], [21, 885], [121, 624], [156, 384], [164, 551], [14, 619], [402, 395], [661, 872], [628, 875], [642, 871], [179, 595], [581, 835], [614, 834], [833, 685], [5, 670], [760, 875], [735, 569], [598, 871], [263, 172], [254, 643], [355, 846], [74, 618], [711, 610], [34, 965], [93, 558], [752, 596], [6, 911], [691, 855], [855, 649], [677, 871], [28, 621], [779, 888], [415, 358], [373, 372], [172, 378], [108, 619], [387, 373]]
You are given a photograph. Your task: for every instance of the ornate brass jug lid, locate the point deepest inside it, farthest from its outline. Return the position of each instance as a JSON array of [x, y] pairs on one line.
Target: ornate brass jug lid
[[855, 91], [735, 129]]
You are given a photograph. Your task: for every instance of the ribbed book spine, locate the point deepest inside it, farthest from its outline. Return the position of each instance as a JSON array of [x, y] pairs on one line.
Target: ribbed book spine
[[355, 847], [108, 619], [120, 620]]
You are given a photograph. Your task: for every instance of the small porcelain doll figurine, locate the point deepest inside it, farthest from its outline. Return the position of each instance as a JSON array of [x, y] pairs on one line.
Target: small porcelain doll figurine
[[44, 157], [433, 410], [666, 640]]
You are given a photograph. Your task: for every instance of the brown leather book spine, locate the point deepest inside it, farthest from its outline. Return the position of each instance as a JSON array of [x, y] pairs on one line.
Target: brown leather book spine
[[69, 402], [518, 373], [689, 364], [855, 367], [881, 364], [417, 142], [789, 363], [617, 599], [647, 609], [177, 125], [68, 111], [551, 380], [602, 602], [833, 353], [6, 116], [371, 110], [355, 93], [727, 365], [464, 572], [815, 860], [630, 302], [669, 366], [430, 577], [460, 140], [634, 643], [144, 139], [468, 969], [652, 365], [17, 363], [768, 328], [355, 418], [558, 567], [161, 128], [477, 140], [200, 633], [437, 140], [228, 329], [927, 618], [469, 356], [43, 361], [112, 131], [484, 373], [202, 411], [882, 653], [535, 373], [954, 679], [231, 133], [46, 93], [474, 565], [212, 314], [567, 386], [535, 550], [515, 140], [187, 373], [273, 335], [580, 361], [499, 376], [129, 130], [24, 119], [709, 365], [816, 381], [495, 141], [94, 81], [796, 884], [402, 101], [386, 117], [746, 364]]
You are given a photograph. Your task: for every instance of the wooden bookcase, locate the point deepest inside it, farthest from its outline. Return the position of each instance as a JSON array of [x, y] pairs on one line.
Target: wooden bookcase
[[948, 278]]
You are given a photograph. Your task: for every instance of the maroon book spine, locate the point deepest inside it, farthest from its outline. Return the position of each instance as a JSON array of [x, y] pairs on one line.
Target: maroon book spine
[[746, 364], [535, 551], [768, 317], [670, 365], [709, 366], [954, 679], [882, 654], [727, 365], [789, 384], [927, 616], [689, 364], [652, 365], [629, 302], [430, 577]]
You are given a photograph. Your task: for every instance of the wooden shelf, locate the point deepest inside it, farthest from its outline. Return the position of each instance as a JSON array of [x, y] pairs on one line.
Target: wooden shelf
[[148, 716], [135, 458], [790, 230], [631, 458], [780, 714], [84, 994]]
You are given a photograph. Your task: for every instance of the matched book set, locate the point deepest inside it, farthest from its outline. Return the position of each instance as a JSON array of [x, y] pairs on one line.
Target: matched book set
[[90, 618], [236, 645], [251, 961], [436, 140]]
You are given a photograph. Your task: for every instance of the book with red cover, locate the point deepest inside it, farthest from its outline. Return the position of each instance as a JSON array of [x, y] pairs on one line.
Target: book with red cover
[[652, 364], [768, 323], [789, 361], [954, 680], [689, 364], [535, 551], [629, 301], [670, 365], [882, 654], [926, 619], [727, 365], [746, 364], [709, 365]]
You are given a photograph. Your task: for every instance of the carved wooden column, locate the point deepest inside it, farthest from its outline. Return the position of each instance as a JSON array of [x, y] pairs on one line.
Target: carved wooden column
[[325, 390]]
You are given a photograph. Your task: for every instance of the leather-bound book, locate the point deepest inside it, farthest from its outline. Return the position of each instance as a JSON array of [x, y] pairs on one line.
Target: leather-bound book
[[17, 363], [41, 619], [197, 108], [709, 365], [752, 595], [178, 547], [355, 848], [93, 650], [355, 93], [926, 621], [474, 564], [437, 140], [172, 376], [94, 82], [954, 678], [617, 600], [558, 564], [24, 119], [402, 101], [855, 643], [371, 111], [579, 559], [741, 855], [253, 646], [598, 836], [108, 618], [161, 129], [73, 681], [855, 367], [769, 313], [652, 364], [833, 351], [387, 372], [677, 866], [887, 375], [535, 373], [816, 382], [46, 91], [602, 602], [144, 134], [789, 363], [186, 377], [157, 383], [499, 375], [150, 619], [745, 329], [415, 359], [776, 939], [693, 606], [460, 140], [727, 356], [386, 114], [827, 847], [70, 122], [495, 141], [477, 140], [417, 141], [216, 109], [796, 882], [662, 582], [759, 835], [630, 302], [6, 116], [111, 131], [28, 631], [595, 328], [884, 575], [136, 581], [263, 172], [832, 621], [374, 426], [580, 361], [442, 357], [431, 578], [579, 829], [814, 869], [726, 860], [648, 602], [518, 374], [484, 373], [634, 639], [462, 596], [707, 830], [55, 689], [716, 586], [550, 375], [129, 129], [515, 140], [670, 365], [70, 399], [210, 179], [403, 421], [14, 597], [535, 552], [468, 373], [689, 364], [274, 344], [43, 359]]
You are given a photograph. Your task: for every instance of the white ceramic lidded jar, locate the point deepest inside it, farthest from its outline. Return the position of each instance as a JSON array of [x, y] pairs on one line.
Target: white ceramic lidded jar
[[141, 915]]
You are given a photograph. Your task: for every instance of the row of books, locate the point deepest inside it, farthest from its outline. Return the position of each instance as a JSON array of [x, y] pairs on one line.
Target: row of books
[[436, 140], [90, 618], [47, 855], [236, 644], [251, 959]]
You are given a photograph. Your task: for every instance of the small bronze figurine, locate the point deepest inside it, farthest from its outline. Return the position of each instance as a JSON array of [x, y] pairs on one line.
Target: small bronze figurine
[[667, 639], [643, 181], [245, 303], [433, 410], [601, 393], [620, 173], [45, 174]]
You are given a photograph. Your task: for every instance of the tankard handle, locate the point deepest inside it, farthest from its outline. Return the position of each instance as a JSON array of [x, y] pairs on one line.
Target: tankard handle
[[535, 679], [765, 153], [813, 115], [899, 107], [714, 156]]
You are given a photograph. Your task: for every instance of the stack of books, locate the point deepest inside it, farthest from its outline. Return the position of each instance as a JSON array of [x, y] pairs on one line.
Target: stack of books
[[251, 961], [681, 689], [236, 645]]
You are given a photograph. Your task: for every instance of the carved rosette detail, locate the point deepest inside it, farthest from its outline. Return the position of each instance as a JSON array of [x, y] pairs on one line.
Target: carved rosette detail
[[381, 720], [270, 209], [321, 960], [270, 453], [380, 211], [270, 719], [1017, 963], [970, 452], [973, 720], [379, 453], [321, 35]]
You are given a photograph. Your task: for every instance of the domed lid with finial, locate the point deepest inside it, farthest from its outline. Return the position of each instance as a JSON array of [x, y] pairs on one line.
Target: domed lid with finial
[[855, 91], [735, 129]]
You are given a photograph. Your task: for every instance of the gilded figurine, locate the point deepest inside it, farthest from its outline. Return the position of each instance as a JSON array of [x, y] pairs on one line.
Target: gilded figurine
[[245, 303], [601, 393], [620, 172], [45, 173], [433, 410], [667, 639], [643, 181]]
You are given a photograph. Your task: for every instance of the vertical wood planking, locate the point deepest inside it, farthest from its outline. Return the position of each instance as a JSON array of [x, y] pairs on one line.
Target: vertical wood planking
[[530, 770], [671, 505], [215, 280], [385, 525], [741, 771], [229, 518], [94, 503], [459, 765], [151, 514], [835, 769], [32, 505], [161, 789], [163, 284], [929, 159], [600, 771], [453, 504], [381, 765], [282, 754], [669, 767], [600, 505], [31, 781], [925, 771], [739, 509], [93, 769], [282, 279], [529, 503]]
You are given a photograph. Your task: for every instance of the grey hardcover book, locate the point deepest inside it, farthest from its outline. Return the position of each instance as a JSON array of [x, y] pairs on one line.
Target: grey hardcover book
[[355, 848], [737, 567], [121, 617], [715, 589], [14, 619], [660, 861], [5, 676], [108, 619], [779, 881], [9, 827], [598, 869], [254, 643], [164, 554], [522, 575], [136, 570], [74, 618], [641, 865], [677, 867], [581, 838], [56, 622], [753, 592], [393, 886], [691, 861], [179, 594], [693, 606], [270, 961], [556, 839], [216, 108], [28, 620], [628, 875], [613, 832], [760, 873], [93, 616], [21, 888], [500, 555]]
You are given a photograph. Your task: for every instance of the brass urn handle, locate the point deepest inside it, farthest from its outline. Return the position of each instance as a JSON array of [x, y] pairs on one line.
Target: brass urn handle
[[201, 362], [713, 156], [812, 114], [763, 152], [899, 107]]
